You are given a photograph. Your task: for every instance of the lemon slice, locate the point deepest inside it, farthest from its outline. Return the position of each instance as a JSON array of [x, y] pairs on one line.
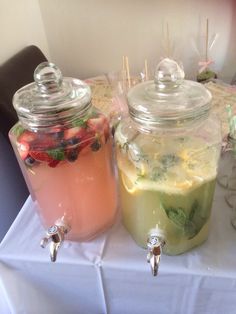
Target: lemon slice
[[128, 184], [184, 185]]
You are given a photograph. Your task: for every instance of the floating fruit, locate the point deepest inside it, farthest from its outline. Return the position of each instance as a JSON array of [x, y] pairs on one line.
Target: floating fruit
[[72, 155], [97, 124], [60, 143], [23, 148], [53, 163], [27, 136], [41, 156], [96, 145], [30, 161], [73, 132]]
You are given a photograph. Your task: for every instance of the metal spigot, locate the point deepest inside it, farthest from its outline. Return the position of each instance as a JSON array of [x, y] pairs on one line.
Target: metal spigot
[[55, 235], [154, 244]]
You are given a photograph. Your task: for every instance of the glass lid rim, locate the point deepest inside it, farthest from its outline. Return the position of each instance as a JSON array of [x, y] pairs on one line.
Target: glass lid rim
[[43, 101], [134, 101]]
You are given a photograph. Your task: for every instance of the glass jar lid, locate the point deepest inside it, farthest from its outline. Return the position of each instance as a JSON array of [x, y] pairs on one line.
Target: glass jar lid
[[51, 99], [169, 99]]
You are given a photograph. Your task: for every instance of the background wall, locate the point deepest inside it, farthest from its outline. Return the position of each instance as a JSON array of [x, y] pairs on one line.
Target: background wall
[[89, 37], [20, 25]]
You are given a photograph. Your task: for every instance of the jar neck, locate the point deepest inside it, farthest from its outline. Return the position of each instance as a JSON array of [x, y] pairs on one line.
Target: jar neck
[[48, 120], [145, 124]]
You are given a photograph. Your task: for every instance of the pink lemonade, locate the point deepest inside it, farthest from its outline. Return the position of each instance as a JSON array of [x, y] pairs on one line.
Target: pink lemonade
[[70, 174], [83, 192]]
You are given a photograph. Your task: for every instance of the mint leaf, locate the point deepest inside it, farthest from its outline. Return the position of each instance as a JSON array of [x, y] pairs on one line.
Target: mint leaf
[[83, 122], [190, 230], [178, 216], [182, 139], [79, 122], [169, 160], [194, 209], [191, 224], [158, 174], [56, 154], [18, 130]]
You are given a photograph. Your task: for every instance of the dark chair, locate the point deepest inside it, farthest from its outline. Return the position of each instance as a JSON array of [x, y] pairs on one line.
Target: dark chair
[[14, 73]]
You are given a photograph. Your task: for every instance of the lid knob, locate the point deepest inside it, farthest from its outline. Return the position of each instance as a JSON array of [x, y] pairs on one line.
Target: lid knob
[[48, 77], [168, 74]]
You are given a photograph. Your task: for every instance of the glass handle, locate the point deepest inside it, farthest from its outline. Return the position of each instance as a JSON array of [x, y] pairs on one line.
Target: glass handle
[[48, 78]]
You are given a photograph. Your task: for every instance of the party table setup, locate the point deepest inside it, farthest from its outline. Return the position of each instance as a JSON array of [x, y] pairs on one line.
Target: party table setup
[[132, 205]]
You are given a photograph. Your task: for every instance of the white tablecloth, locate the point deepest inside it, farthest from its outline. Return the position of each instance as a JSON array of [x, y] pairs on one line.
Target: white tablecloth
[[110, 274]]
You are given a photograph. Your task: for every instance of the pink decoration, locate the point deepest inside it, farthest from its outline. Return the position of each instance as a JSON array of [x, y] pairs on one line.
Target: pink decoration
[[204, 65]]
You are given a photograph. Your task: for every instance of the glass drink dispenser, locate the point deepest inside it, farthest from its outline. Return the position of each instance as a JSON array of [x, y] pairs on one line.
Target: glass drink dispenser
[[167, 153], [64, 148]]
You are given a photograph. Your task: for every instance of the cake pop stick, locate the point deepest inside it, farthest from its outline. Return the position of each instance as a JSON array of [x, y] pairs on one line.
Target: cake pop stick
[[123, 74], [146, 69], [127, 70], [207, 35], [168, 39]]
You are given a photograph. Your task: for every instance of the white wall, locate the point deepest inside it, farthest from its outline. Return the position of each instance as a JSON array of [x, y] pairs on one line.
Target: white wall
[[89, 37], [20, 25]]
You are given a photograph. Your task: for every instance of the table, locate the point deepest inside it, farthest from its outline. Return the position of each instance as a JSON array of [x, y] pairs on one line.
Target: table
[[110, 274]]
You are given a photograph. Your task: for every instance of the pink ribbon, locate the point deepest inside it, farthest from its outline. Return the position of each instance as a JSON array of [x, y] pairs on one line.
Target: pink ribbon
[[204, 65], [231, 89]]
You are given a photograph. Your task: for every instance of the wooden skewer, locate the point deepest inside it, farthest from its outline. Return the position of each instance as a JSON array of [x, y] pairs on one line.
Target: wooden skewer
[[168, 39], [127, 71], [207, 34], [123, 63], [123, 73], [146, 69]]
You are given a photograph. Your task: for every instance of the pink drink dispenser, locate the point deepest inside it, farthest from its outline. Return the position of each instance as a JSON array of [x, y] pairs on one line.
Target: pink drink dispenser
[[64, 148]]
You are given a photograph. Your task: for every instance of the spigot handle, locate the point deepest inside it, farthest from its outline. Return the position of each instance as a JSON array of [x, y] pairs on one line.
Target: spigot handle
[[44, 242]]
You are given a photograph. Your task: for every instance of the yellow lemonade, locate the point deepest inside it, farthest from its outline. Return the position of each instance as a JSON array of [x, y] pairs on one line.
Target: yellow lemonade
[[171, 189]]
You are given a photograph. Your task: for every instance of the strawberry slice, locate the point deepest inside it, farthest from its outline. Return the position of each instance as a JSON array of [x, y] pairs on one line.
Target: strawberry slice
[[56, 129], [23, 149], [53, 163], [37, 141], [100, 125], [45, 142], [41, 156], [87, 139], [27, 136], [74, 132], [96, 124]]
